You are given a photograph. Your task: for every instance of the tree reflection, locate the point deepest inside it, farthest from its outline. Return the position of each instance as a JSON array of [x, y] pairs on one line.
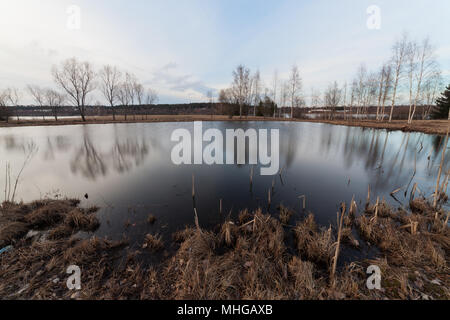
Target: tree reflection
[[88, 161]]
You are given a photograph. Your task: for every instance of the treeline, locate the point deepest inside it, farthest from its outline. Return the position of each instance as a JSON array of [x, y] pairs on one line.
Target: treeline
[[410, 75]]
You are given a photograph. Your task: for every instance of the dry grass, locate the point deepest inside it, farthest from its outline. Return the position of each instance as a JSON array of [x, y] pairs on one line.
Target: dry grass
[[153, 242], [244, 259], [285, 214]]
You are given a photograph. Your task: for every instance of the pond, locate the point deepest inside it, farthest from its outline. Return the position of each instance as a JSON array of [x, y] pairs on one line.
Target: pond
[[126, 169]]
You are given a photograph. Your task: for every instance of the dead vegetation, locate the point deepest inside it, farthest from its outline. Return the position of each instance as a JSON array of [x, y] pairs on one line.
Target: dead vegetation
[[153, 242], [245, 259]]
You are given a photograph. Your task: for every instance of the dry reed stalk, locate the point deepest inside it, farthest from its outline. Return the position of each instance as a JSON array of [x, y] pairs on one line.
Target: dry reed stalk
[[269, 198], [304, 200], [368, 197], [338, 244], [413, 192], [445, 182], [220, 206], [395, 191], [193, 186], [444, 226], [196, 220], [251, 176], [436, 192], [353, 208]]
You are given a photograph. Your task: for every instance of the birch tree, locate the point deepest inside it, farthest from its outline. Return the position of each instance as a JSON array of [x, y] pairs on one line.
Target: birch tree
[[274, 91], [241, 86], [256, 91], [399, 51], [425, 68], [295, 87]]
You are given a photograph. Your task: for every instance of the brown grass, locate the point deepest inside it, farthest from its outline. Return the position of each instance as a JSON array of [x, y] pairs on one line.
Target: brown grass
[[244, 259], [153, 242]]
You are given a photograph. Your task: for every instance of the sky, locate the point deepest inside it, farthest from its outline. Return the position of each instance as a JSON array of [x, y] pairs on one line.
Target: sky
[[184, 48]]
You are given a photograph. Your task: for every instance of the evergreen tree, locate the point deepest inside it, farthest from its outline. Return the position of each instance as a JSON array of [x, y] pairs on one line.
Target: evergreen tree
[[442, 105]]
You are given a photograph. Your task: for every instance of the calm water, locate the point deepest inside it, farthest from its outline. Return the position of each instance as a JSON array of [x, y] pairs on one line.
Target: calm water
[[126, 169]]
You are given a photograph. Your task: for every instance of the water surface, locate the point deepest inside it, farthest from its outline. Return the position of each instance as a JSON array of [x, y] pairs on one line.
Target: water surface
[[126, 169]]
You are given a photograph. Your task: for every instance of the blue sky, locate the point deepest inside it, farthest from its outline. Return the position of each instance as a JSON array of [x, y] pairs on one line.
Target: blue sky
[[183, 48]]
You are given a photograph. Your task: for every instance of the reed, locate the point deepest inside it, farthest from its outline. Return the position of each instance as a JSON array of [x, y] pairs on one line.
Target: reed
[[193, 186], [303, 197], [437, 191], [368, 197], [340, 221]]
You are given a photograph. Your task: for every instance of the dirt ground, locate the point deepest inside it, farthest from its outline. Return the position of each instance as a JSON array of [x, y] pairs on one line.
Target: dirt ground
[[426, 126], [243, 259]]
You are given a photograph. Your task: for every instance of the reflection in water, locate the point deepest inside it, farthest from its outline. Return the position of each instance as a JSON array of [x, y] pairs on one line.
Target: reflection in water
[[88, 161], [126, 169]]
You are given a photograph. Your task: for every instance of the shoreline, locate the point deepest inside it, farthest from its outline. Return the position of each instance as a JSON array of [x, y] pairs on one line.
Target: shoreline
[[439, 127]]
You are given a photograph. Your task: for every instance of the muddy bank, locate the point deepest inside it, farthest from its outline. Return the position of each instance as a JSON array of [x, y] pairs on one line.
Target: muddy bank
[[425, 126], [248, 258]]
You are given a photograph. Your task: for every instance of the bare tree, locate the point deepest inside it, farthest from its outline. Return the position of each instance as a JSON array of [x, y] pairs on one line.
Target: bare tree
[[284, 93], [241, 86], [54, 100], [130, 80], [353, 96], [315, 98], [425, 68], [11, 97], [344, 98], [256, 91], [123, 96], [139, 92], [333, 97], [110, 85], [411, 62], [4, 114], [77, 80], [387, 87], [274, 91], [430, 91], [384, 86], [151, 97], [399, 51], [295, 87], [361, 90], [37, 93], [370, 95]]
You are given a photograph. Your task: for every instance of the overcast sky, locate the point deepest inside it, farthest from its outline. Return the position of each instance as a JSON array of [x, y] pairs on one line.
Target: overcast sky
[[183, 48]]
